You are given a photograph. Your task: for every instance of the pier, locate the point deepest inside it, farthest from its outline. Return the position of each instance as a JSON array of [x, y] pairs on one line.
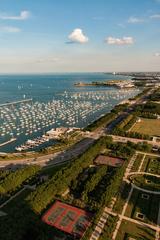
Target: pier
[[16, 102]]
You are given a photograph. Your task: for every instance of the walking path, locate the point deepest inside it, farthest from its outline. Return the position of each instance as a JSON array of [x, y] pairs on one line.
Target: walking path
[[129, 130], [128, 169], [149, 154], [144, 173], [155, 228], [117, 138], [100, 225], [145, 190], [142, 161], [11, 198], [122, 215], [30, 187]]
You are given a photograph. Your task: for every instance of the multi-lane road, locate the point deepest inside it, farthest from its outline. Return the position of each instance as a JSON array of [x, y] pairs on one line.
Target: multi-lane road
[[78, 148], [51, 159]]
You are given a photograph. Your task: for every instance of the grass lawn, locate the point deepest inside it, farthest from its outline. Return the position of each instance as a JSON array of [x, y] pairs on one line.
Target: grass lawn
[[22, 223], [121, 198], [145, 163], [128, 229], [148, 207], [137, 162], [20, 198], [148, 126]]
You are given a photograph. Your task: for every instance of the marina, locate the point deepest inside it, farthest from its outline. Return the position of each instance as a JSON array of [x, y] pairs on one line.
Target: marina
[[30, 144], [30, 118]]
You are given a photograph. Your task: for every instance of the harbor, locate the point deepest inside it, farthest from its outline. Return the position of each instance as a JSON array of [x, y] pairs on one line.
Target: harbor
[[31, 118], [53, 134]]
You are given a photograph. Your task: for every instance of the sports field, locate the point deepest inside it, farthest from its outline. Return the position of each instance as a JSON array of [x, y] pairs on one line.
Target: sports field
[[67, 218], [147, 126]]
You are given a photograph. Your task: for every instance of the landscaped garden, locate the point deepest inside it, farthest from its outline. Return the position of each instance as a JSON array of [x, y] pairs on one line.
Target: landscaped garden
[[143, 207], [129, 230]]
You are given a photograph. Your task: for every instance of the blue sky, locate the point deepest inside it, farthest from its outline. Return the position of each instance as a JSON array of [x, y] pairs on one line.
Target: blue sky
[[79, 35]]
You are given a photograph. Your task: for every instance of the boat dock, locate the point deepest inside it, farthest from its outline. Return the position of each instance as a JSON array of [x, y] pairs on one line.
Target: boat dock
[[30, 144], [16, 102]]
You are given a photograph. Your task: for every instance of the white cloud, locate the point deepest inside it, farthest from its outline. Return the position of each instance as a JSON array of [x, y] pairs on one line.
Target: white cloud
[[23, 16], [157, 54], [119, 41], [155, 16], [10, 29], [77, 36], [135, 20]]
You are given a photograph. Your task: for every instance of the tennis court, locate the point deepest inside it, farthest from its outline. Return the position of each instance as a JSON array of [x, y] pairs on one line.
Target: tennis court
[[67, 218]]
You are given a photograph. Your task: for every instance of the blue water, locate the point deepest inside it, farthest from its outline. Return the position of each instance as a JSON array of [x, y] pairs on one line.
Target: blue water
[[58, 101], [45, 87]]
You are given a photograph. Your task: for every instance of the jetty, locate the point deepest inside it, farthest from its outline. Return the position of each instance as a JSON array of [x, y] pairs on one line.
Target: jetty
[[15, 102], [9, 141]]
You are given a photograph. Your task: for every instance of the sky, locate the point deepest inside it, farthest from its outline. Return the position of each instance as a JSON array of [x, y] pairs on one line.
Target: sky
[[45, 36]]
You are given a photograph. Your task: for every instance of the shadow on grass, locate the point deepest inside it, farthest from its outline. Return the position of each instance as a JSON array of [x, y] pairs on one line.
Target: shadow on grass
[[21, 223]]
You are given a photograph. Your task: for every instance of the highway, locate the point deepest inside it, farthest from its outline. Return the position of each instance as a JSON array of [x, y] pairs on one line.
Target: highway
[[52, 159]]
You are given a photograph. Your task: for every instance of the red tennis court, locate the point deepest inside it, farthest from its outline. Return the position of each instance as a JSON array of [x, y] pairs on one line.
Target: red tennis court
[[67, 218]]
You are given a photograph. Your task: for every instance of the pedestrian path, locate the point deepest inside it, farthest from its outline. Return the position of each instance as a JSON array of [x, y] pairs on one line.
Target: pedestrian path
[[103, 219], [142, 162], [11, 198], [122, 215]]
